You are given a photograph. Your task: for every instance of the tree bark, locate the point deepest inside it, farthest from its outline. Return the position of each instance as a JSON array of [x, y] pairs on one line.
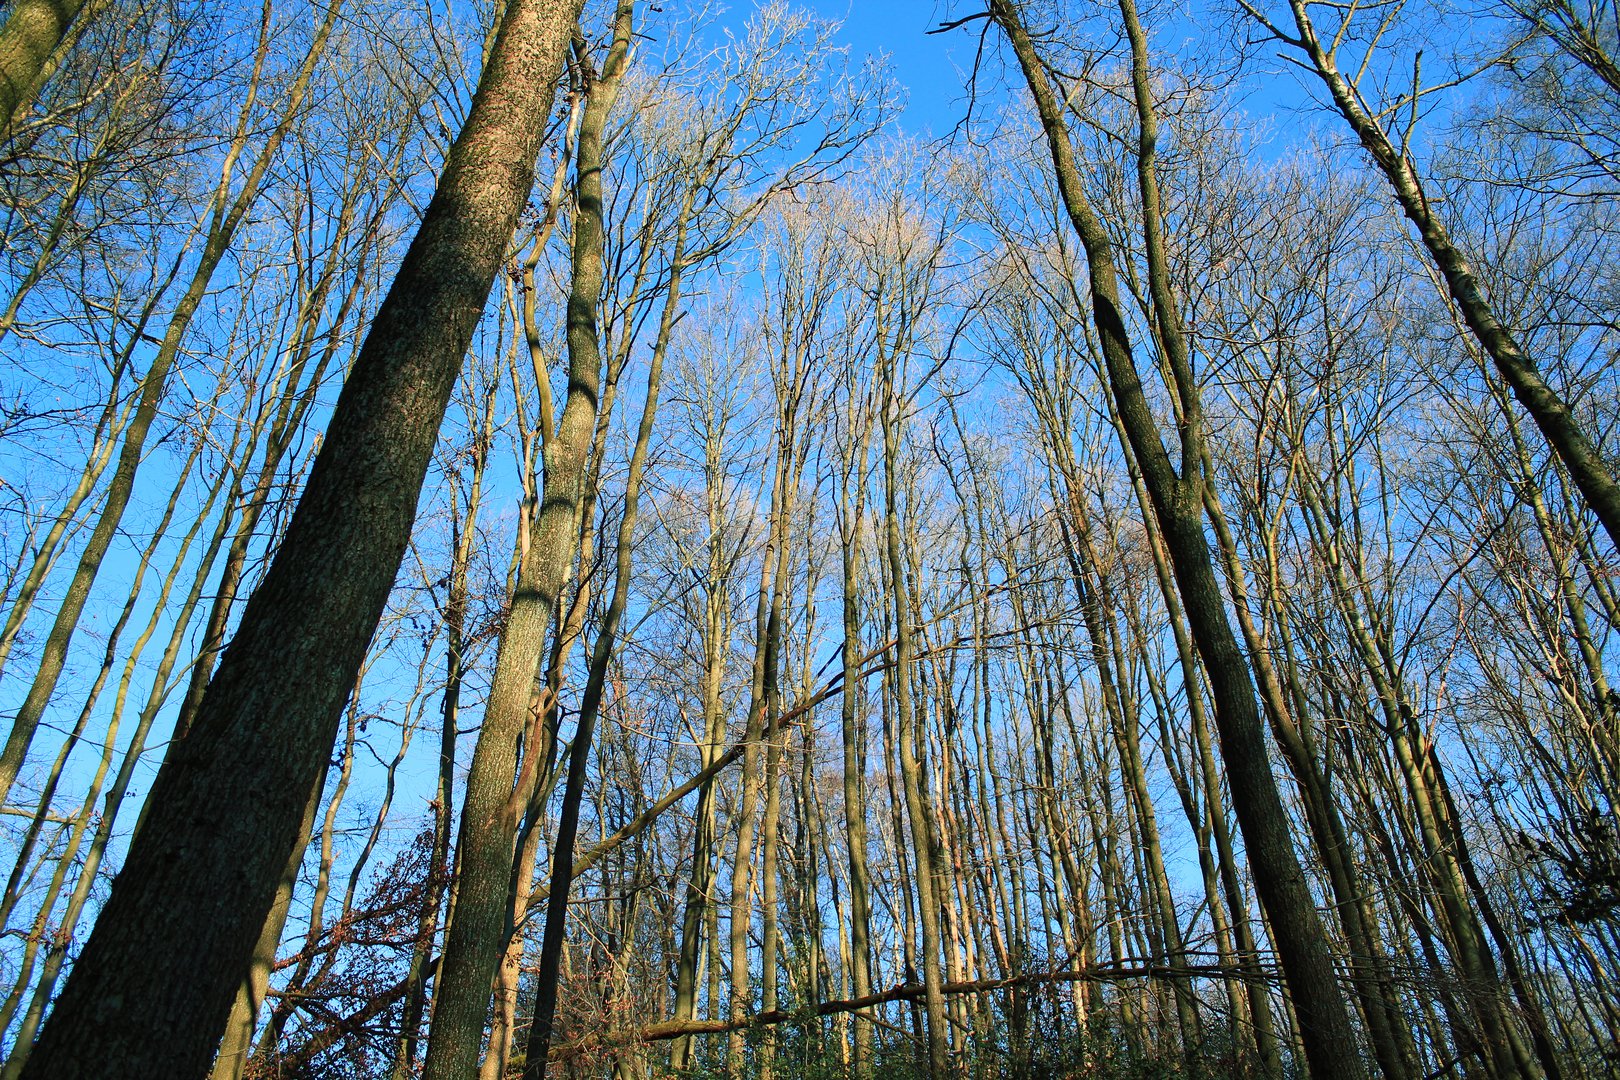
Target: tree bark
[[562, 875], [477, 936], [29, 41], [154, 985]]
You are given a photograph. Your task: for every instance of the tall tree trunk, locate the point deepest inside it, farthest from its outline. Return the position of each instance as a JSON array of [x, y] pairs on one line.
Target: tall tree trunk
[[854, 749], [463, 538], [1329, 1039], [1442, 847], [911, 771], [716, 646], [1098, 606], [490, 808], [169, 948], [1392, 1044], [562, 874], [1551, 413]]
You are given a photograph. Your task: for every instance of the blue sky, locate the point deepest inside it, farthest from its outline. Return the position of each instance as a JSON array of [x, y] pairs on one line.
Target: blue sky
[[932, 68]]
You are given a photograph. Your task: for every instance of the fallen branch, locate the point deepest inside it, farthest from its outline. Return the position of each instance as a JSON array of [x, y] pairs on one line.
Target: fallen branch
[[911, 991]]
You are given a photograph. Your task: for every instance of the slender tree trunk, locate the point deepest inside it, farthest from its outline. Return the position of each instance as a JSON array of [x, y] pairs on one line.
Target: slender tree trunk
[[768, 623], [562, 875], [1178, 504], [854, 748], [1551, 413], [290, 411], [1098, 606], [1440, 842], [463, 537], [912, 780], [109, 429], [489, 821], [700, 885], [769, 871], [854, 752], [1392, 1044], [228, 216]]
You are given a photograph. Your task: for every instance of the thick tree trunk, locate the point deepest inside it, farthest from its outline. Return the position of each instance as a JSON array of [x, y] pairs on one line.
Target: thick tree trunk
[[152, 990], [29, 41]]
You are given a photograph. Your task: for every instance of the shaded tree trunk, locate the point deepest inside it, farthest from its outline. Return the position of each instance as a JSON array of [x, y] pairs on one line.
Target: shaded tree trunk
[[1329, 1039], [169, 949]]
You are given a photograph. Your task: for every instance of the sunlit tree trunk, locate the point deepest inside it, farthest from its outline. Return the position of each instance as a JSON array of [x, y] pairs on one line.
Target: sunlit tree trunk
[[562, 876], [34, 33], [477, 935], [1563, 431], [918, 812], [851, 528]]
